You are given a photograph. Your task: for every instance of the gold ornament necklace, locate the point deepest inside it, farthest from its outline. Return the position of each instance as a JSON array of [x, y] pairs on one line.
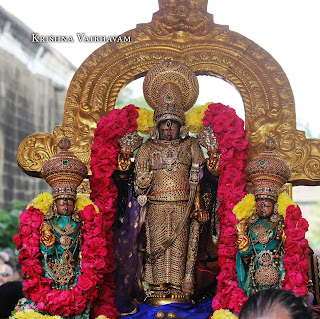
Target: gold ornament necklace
[[266, 275]]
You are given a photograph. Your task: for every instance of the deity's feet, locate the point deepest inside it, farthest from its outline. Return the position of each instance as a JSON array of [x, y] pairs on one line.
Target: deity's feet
[[165, 294], [160, 291], [177, 294]]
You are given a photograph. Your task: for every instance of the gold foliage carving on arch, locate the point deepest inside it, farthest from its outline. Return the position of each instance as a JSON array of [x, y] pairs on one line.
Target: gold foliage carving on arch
[[184, 31]]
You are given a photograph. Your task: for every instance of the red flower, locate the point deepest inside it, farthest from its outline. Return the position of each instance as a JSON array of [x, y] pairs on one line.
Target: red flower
[[233, 146], [37, 288], [32, 268], [296, 248], [104, 154], [32, 217], [85, 283]]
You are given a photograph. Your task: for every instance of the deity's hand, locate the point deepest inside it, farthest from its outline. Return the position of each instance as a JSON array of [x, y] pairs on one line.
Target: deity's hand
[[47, 238], [213, 163], [130, 142], [144, 176], [208, 140], [124, 161], [201, 215], [242, 241]]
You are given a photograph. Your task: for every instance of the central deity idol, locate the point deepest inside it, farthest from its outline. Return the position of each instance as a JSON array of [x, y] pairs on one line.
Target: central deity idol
[[168, 171]]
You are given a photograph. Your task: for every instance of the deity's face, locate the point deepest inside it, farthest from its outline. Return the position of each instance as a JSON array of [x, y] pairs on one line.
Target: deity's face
[[65, 206], [169, 130], [264, 207]]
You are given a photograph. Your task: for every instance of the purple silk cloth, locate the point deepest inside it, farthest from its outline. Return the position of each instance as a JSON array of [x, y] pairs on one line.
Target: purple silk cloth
[[129, 254]]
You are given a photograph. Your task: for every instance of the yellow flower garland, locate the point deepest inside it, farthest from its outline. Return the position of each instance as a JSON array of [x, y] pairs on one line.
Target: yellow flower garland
[[82, 202], [194, 118], [44, 201], [31, 314], [223, 314], [284, 200], [145, 120], [246, 207]]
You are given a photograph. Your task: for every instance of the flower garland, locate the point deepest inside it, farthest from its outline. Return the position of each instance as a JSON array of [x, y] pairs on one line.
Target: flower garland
[[296, 248], [36, 287], [42, 202], [33, 314], [193, 119], [223, 314], [104, 158], [145, 120], [234, 149]]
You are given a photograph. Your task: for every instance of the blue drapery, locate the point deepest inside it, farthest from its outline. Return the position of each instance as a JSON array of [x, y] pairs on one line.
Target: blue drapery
[[201, 310]]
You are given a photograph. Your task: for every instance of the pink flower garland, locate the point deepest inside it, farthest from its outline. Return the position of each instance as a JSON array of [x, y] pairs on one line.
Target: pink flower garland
[[104, 159], [37, 288], [234, 149], [295, 260]]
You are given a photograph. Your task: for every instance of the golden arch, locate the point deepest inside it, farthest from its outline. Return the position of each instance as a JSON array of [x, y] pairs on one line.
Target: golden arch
[[207, 48]]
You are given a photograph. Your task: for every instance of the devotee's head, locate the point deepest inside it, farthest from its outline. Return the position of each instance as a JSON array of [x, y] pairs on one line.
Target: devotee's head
[[4, 257], [6, 273], [275, 304]]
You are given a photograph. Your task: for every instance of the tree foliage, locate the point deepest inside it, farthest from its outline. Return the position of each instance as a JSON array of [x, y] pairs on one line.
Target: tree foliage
[[9, 224], [314, 237]]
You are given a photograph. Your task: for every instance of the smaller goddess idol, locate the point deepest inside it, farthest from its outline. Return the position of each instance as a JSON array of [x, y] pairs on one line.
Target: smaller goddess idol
[[62, 245], [261, 238]]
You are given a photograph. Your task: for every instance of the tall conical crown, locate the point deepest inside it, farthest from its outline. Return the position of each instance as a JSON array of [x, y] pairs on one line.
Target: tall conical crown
[[64, 172], [268, 172]]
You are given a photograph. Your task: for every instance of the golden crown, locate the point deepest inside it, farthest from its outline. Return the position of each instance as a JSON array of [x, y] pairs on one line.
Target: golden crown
[[170, 88], [64, 172], [268, 172]]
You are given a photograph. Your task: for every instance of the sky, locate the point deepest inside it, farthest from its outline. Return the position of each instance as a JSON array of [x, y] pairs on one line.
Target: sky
[[287, 29]]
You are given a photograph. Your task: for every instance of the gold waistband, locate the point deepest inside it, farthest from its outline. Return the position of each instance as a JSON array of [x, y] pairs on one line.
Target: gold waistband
[[162, 202]]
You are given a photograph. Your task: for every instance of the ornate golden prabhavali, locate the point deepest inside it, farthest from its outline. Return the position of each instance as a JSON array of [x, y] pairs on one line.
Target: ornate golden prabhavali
[[182, 30]]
